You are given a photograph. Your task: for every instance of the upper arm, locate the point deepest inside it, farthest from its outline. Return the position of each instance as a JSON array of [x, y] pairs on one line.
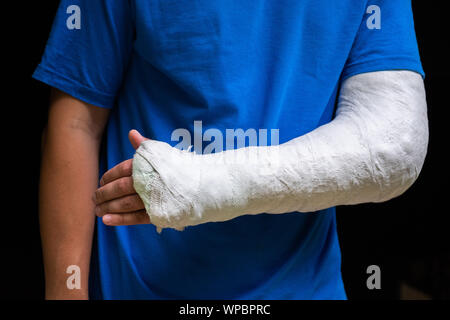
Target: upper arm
[[68, 114]]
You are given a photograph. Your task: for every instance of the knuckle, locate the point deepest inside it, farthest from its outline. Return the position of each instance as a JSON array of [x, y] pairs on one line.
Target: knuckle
[[143, 217], [121, 170], [130, 164], [97, 196], [126, 168], [128, 182], [121, 186], [137, 217], [105, 207], [140, 203], [127, 203], [100, 210]]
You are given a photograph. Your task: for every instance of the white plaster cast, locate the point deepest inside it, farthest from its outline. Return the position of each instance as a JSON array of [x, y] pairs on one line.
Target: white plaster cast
[[372, 151]]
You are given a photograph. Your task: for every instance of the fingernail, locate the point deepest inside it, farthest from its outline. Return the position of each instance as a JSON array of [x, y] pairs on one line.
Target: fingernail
[[107, 219]]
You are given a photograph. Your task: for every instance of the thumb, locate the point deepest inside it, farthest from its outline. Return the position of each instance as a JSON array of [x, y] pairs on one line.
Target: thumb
[[136, 138]]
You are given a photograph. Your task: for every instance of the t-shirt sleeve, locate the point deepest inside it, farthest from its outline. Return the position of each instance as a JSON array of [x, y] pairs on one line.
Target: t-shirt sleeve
[[88, 50], [386, 40]]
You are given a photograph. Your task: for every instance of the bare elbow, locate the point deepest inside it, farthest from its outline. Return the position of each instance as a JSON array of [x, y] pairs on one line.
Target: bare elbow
[[73, 115]]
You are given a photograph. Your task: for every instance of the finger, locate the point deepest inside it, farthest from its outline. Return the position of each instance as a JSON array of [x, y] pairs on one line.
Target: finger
[[123, 169], [126, 219], [125, 204], [136, 138], [113, 190]]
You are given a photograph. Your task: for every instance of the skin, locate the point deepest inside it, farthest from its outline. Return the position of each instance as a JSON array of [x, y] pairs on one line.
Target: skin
[[116, 200], [67, 217]]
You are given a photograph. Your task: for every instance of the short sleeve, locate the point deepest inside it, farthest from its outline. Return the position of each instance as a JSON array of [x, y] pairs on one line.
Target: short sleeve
[[386, 40], [88, 50]]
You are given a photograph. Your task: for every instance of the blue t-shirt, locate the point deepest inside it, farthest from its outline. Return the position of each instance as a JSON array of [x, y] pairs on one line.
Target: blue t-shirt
[[160, 65]]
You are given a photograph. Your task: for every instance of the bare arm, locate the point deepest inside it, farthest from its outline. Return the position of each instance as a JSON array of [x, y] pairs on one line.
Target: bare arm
[[69, 177]]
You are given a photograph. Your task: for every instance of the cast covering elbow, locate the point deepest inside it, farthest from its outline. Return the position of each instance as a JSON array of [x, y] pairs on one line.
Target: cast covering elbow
[[372, 151]]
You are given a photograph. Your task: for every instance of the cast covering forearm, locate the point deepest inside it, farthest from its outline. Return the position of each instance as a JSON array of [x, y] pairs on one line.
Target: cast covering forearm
[[372, 151]]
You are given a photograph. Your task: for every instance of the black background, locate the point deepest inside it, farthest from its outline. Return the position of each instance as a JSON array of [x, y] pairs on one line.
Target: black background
[[407, 237]]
